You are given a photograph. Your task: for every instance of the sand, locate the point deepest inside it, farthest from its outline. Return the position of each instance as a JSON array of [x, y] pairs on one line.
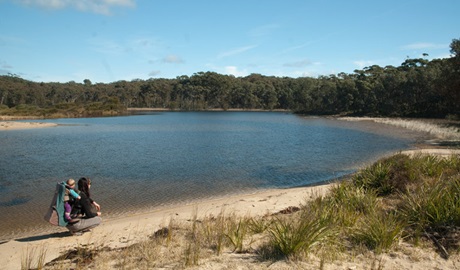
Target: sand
[[12, 125], [131, 229]]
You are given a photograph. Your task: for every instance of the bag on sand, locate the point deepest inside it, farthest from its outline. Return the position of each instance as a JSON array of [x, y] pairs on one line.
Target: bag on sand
[[55, 213], [52, 216]]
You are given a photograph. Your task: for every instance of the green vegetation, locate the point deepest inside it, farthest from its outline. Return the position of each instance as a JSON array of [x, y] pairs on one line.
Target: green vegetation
[[417, 88], [398, 199]]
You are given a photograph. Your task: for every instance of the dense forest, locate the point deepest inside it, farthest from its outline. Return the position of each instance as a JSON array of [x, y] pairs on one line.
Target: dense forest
[[417, 88]]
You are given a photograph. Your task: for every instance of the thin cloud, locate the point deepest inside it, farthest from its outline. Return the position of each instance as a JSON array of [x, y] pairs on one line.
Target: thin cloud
[[423, 45], [173, 59], [154, 73], [263, 30], [96, 6], [5, 65], [107, 47], [302, 63], [5, 68], [232, 70], [296, 47], [236, 51], [363, 63]]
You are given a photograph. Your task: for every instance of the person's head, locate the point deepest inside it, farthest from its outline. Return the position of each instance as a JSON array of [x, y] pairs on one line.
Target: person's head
[[71, 183], [84, 185]]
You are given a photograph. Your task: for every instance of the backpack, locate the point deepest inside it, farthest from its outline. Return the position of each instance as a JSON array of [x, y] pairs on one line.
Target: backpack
[[55, 213]]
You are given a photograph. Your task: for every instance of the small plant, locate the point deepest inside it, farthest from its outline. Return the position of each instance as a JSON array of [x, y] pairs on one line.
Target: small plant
[[236, 232]]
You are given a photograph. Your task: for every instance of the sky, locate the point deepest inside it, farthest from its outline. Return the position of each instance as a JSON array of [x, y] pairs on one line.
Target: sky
[[112, 40]]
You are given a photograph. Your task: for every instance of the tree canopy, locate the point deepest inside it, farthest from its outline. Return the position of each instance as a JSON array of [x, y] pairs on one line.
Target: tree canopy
[[416, 88]]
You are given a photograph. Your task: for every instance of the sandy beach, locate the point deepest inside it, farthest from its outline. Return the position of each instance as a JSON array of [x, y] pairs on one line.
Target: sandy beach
[[134, 228], [11, 125]]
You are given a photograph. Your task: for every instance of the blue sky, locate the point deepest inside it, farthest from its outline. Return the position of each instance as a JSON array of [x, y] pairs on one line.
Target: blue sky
[[111, 40]]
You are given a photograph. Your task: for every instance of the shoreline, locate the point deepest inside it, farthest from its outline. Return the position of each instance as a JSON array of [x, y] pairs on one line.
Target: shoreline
[[120, 232]]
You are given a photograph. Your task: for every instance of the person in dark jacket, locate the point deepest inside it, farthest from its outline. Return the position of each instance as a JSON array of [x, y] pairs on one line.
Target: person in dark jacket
[[88, 209]]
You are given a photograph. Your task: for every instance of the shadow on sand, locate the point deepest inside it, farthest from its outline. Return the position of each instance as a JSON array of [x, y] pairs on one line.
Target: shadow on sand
[[45, 236]]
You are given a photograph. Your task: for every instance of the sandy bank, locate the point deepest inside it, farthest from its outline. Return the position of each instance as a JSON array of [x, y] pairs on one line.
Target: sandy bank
[[11, 125]]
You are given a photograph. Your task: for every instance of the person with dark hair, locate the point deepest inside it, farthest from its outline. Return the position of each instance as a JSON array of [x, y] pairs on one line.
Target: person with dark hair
[[86, 208]]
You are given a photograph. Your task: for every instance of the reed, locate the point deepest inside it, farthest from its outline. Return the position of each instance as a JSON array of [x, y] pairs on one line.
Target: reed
[[437, 129], [259, 224], [192, 251], [213, 232], [237, 231], [33, 257]]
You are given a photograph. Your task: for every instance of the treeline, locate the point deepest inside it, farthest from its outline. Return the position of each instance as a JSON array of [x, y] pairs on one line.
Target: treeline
[[416, 88]]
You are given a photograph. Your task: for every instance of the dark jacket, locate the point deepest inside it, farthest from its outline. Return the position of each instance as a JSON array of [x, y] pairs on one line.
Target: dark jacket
[[85, 207]]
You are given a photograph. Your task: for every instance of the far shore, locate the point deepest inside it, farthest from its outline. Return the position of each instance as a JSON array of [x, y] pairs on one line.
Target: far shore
[[13, 125], [207, 110]]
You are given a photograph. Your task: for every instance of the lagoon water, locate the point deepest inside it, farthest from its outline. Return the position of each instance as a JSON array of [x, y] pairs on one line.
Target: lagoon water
[[156, 159]]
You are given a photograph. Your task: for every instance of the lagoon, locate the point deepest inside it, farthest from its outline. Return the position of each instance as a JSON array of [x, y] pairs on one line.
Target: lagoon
[[141, 162]]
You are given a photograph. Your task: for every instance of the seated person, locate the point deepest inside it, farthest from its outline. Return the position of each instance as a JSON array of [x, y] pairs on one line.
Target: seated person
[[89, 209]]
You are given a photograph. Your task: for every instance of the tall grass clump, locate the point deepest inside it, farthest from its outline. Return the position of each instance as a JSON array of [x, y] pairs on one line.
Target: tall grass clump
[[349, 202], [213, 232], [434, 205], [389, 175], [230, 231], [294, 238], [378, 232]]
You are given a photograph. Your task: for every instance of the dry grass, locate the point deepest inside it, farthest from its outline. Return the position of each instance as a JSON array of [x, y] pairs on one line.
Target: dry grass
[[444, 130]]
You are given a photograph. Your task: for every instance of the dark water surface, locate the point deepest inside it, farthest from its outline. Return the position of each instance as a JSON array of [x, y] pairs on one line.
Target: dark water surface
[[145, 161]]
